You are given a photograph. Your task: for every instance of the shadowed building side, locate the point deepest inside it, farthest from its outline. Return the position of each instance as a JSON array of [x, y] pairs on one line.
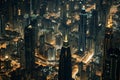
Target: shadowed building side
[[65, 67], [111, 69], [29, 48], [82, 31]]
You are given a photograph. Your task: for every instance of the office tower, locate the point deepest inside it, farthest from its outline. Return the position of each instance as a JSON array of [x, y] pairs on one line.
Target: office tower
[[107, 40], [82, 32], [94, 24], [107, 46], [29, 37], [111, 70], [65, 66], [94, 30]]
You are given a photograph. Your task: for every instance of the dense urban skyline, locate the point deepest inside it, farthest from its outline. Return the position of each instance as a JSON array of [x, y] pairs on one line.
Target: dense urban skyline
[[59, 40]]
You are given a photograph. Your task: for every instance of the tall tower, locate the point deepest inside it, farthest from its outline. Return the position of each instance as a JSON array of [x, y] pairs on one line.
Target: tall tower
[[111, 70], [107, 40], [29, 48], [94, 24], [107, 45], [94, 30], [65, 67], [82, 31]]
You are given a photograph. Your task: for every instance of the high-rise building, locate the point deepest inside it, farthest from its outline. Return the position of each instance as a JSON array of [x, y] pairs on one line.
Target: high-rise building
[[82, 32], [107, 40], [29, 37], [65, 66], [94, 30], [94, 24], [107, 60], [111, 69]]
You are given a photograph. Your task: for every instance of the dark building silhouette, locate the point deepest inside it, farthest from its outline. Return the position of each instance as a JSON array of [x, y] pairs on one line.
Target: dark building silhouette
[[65, 67], [82, 31], [92, 30], [94, 24], [103, 6], [29, 37], [111, 70], [111, 58], [95, 30], [107, 45], [107, 40]]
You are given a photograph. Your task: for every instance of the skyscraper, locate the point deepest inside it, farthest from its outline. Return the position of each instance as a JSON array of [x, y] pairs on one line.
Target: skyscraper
[[111, 70], [107, 40], [65, 67], [106, 58], [94, 24], [29, 47], [82, 31], [94, 30]]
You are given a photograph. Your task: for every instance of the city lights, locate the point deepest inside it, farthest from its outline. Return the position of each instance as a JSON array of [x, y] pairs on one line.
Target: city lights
[[59, 40]]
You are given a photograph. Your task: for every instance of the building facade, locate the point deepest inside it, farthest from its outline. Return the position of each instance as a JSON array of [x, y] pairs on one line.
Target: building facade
[[82, 32], [65, 66], [29, 48]]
